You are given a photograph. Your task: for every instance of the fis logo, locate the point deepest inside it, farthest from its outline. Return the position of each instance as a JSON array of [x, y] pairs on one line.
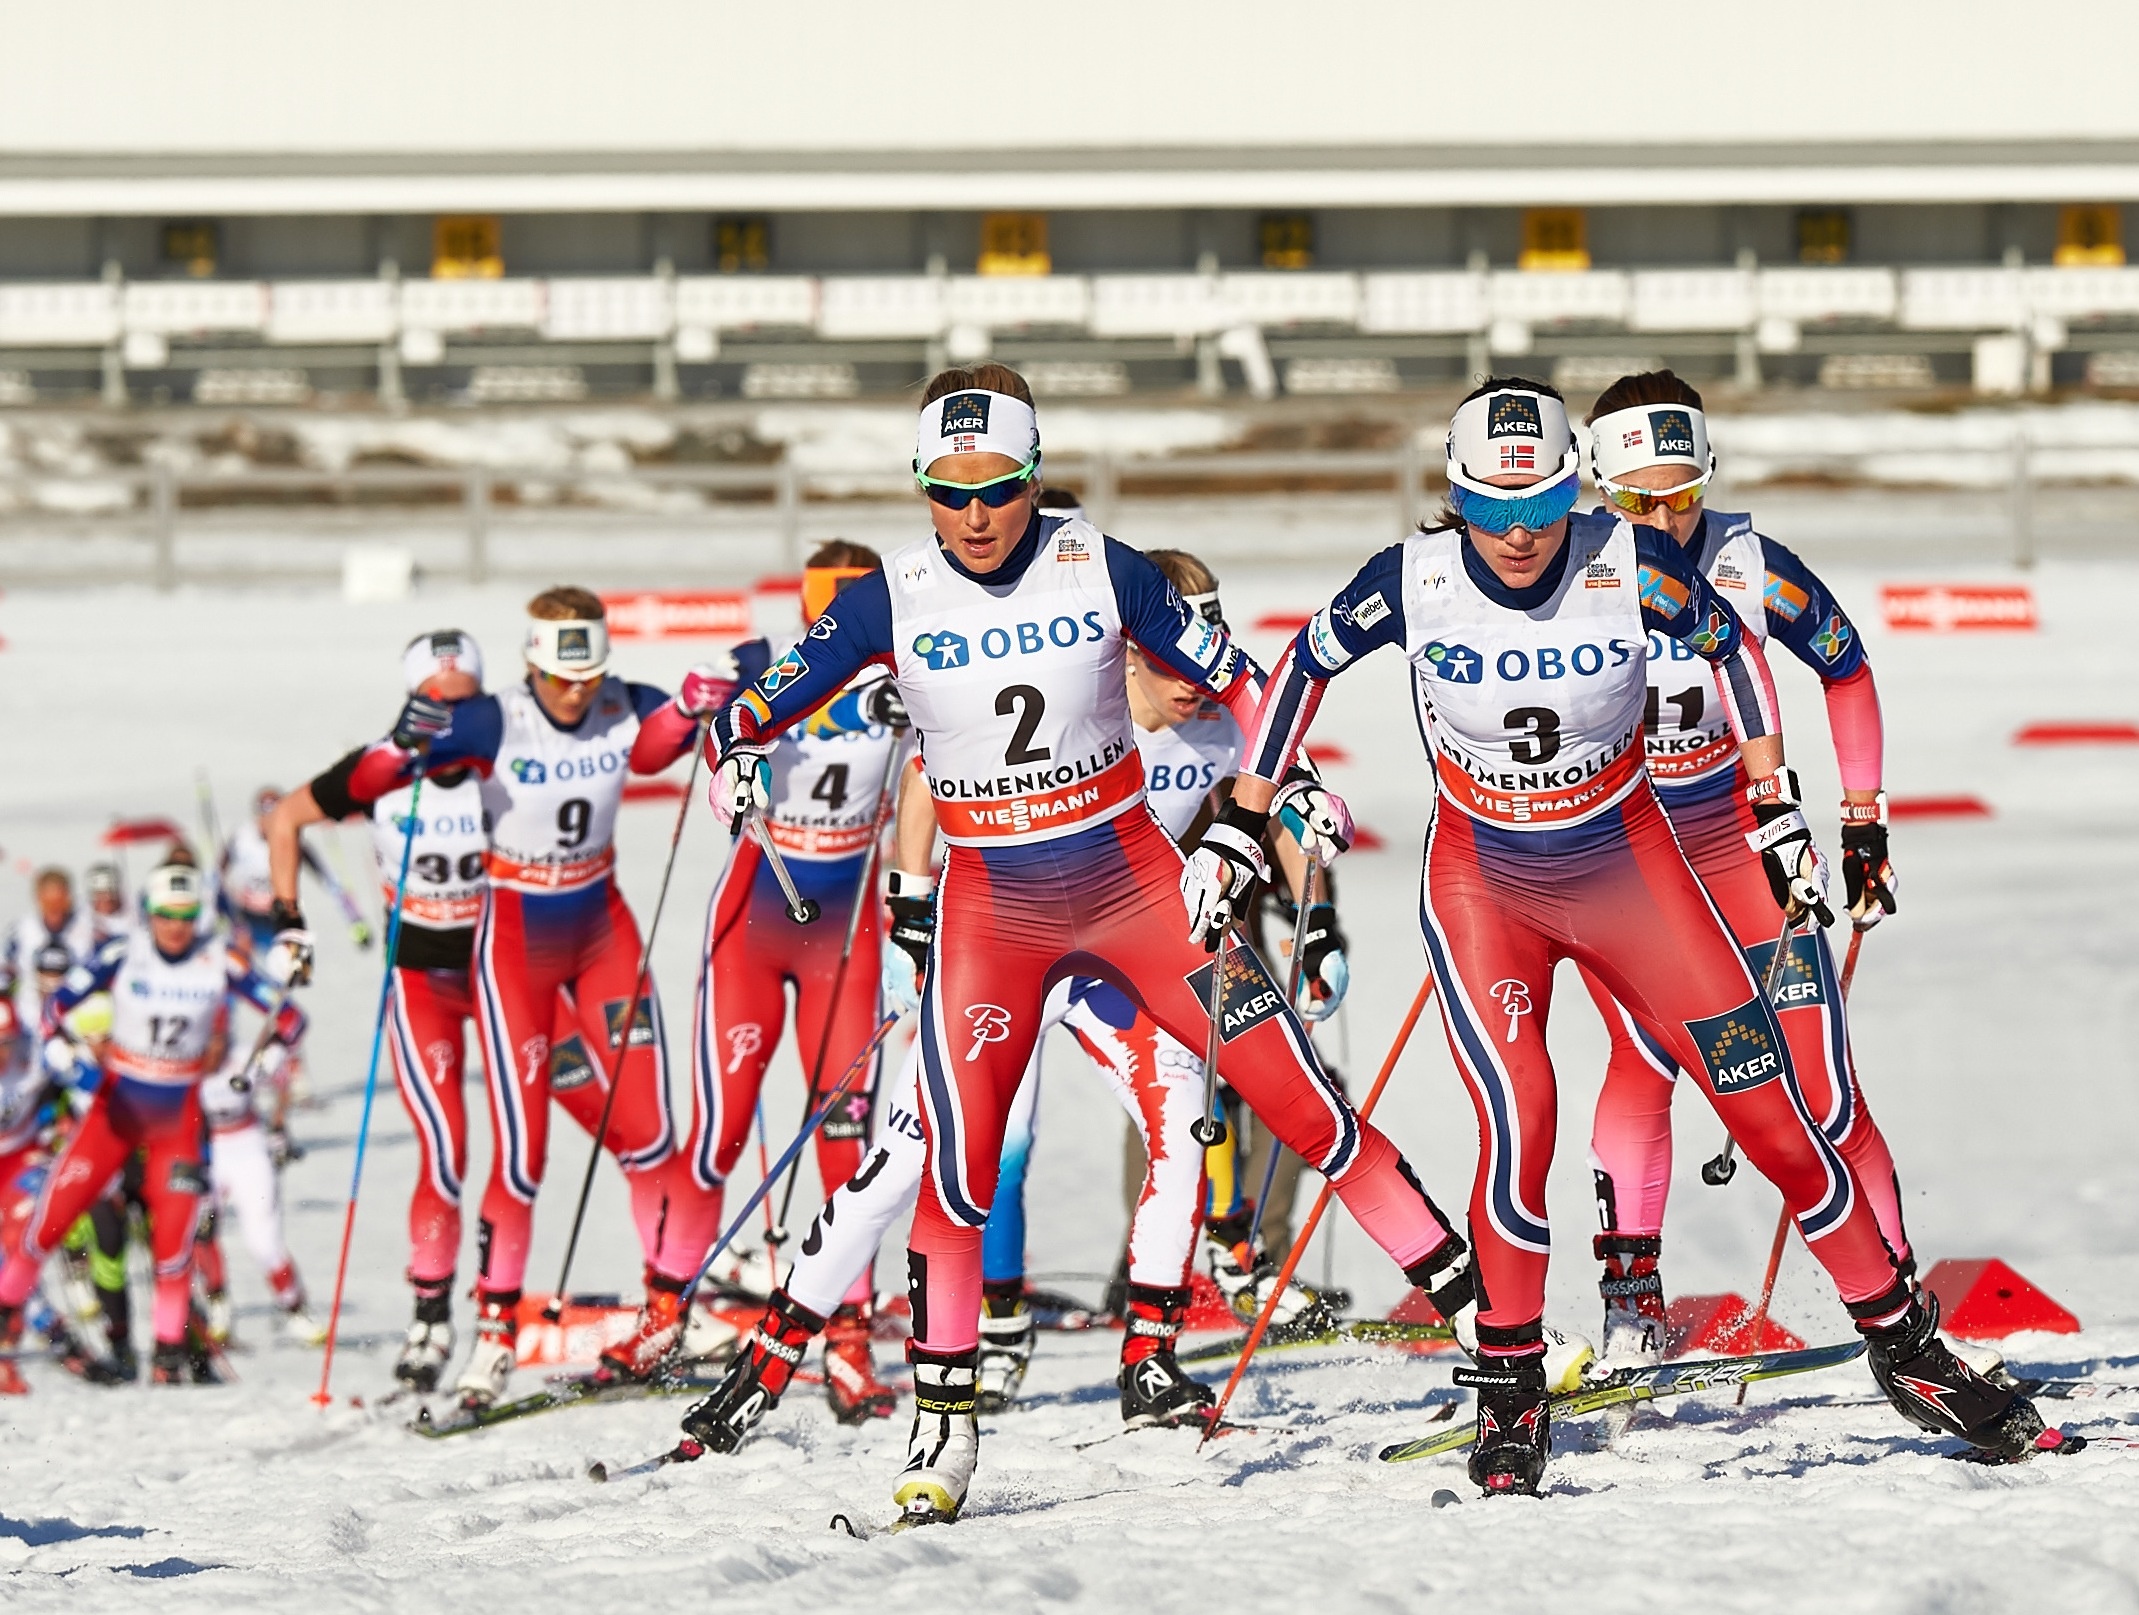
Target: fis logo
[[1833, 638], [1672, 431], [783, 673], [1742, 1049], [1458, 664], [965, 412], [991, 1024], [942, 650], [1513, 997], [1514, 415], [529, 770]]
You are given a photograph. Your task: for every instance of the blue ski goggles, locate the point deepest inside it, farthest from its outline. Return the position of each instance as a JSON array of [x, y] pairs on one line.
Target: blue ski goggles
[[1530, 508], [995, 495]]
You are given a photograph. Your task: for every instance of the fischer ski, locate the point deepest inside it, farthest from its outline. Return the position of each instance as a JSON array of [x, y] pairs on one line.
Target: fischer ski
[[685, 1451], [1363, 1331], [1646, 1385], [575, 1391]]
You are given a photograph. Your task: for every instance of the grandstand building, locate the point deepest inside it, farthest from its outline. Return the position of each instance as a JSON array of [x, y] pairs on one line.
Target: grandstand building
[[242, 202]]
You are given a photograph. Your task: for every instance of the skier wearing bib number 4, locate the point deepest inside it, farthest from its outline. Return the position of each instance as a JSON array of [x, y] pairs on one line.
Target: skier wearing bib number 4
[[1649, 453], [1006, 632], [1528, 633], [553, 752]]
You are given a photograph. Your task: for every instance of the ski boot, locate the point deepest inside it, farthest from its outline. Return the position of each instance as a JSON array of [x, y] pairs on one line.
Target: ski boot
[[201, 1351], [850, 1382], [125, 1361], [167, 1365], [1633, 1292], [1445, 1275], [707, 1336], [299, 1325], [1115, 1304], [11, 1381], [1246, 1276], [1155, 1389], [1514, 1422], [1934, 1390], [1007, 1332], [944, 1444], [428, 1345], [496, 1352], [639, 1355], [215, 1315], [762, 1370]]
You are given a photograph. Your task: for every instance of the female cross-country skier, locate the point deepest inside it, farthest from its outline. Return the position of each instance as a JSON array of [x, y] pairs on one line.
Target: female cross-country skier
[[1649, 453], [1528, 633], [1006, 633]]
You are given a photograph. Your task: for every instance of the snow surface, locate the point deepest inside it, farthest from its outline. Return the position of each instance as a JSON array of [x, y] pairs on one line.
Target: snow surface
[[1997, 1022]]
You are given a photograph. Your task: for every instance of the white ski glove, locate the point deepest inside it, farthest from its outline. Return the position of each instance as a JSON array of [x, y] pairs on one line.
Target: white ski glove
[[1797, 869], [1317, 817], [741, 785], [1220, 871]]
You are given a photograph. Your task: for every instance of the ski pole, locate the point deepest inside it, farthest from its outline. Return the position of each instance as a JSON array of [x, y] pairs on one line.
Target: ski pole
[[320, 1397], [1209, 1129], [1723, 1166], [776, 1227], [242, 1080], [810, 1125], [1782, 1221], [1314, 1218], [802, 910], [764, 1172], [1292, 997], [620, 1036]]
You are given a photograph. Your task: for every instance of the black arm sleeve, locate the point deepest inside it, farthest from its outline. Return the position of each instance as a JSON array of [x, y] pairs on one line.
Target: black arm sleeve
[[331, 790]]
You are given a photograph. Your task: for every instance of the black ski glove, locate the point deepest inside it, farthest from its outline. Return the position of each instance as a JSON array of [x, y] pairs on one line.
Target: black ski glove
[[1868, 877]]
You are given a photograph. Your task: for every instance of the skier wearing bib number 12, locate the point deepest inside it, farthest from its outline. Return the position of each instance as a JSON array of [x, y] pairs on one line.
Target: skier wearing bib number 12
[[1528, 630], [553, 752], [1006, 632]]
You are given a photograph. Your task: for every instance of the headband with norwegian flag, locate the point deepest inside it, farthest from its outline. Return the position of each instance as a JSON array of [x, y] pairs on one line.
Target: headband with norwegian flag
[[1510, 432], [1649, 434], [976, 422]]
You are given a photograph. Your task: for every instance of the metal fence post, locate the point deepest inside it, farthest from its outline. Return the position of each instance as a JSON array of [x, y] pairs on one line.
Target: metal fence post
[[787, 496], [478, 502], [163, 506], [2023, 501]]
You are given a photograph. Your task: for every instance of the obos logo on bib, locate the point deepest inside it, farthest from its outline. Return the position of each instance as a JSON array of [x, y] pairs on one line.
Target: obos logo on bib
[[943, 650], [1458, 664]]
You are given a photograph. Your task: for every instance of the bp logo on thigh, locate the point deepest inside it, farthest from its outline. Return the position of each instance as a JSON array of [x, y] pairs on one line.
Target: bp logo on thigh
[[1741, 1050], [1249, 996]]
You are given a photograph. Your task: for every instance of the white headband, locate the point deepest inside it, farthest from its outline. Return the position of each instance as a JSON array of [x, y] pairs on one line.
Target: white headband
[[1511, 432], [976, 423], [447, 651], [174, 887], [1649, 434], [576, 649]]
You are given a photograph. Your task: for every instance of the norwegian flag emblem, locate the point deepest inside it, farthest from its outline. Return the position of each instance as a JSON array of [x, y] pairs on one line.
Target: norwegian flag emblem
[[1518, 457]]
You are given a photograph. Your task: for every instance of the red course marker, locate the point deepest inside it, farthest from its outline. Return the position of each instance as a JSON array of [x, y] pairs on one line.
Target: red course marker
[[2093, 732], [1986, 1300]]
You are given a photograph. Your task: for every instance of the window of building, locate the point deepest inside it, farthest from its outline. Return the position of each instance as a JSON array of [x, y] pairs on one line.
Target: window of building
[[1555, 238], [2090, 237], [1287, 240], [1823, 235], [742, 245], [466, 247], [189, 247], [1014, 244]]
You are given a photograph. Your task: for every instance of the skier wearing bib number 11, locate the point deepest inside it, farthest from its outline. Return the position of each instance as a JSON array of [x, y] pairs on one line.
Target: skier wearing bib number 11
[[1006, 632], [553, 752], [1528, 629], [1649, 453]]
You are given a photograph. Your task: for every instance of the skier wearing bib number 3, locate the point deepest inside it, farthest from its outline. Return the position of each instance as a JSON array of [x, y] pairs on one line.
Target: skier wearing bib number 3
[[1528, 631], [553, 752], [1006, 633]]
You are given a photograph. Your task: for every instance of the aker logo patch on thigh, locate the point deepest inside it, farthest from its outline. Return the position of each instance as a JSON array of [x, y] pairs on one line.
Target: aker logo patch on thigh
[[569, 1066], [642, 1024], [1800, 987], [187, 1177], [1740, 1050], [1250, 996]]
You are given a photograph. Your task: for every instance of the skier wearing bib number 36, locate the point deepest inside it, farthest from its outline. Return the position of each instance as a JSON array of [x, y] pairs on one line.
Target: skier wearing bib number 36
[[1006, 632], [1528, 631]]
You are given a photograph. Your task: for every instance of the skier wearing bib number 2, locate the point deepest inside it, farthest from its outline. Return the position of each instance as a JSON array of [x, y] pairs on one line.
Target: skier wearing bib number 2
[[553, 752], [1649, 452], [1528, 631], [1006, 633]]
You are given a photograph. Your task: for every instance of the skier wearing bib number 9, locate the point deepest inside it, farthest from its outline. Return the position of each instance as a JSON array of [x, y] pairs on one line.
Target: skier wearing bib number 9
[[1649, 453], [553, 752], [1528, 629], [1006, 632]]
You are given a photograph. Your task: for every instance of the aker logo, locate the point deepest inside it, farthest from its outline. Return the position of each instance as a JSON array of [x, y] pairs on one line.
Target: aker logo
[[1514, 415], [1784, 599], [187, 1177], [783, 673], [569, 1066], [642, 1024], [1833, 638], [573, 645], [942, 650], [1249, 996], [1801, 984], [529, 770], [965, 412], [1662, 593], [1741, 1050], [1458, 664], [1671, 430], [1712, 634]]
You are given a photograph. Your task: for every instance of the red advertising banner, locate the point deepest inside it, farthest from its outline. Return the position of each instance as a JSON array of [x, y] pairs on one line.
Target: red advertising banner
[[677, 613], [1945, 608]]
